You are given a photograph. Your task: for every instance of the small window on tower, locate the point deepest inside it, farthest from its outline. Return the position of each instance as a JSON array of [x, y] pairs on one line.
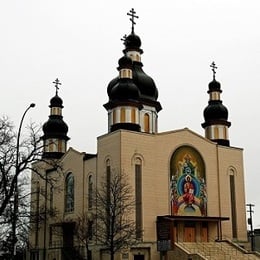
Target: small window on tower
[[146, 123]]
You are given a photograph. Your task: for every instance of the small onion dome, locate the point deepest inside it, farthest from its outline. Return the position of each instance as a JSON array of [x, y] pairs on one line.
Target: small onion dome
[[214, 86], [56, 101], [215, 111], [55, 127], [124, 89], [125, 63], [132, 42]]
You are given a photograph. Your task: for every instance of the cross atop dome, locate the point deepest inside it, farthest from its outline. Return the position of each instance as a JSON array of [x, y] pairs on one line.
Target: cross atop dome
[[133, 15], [214, 67], [57, 83], [123, 38]]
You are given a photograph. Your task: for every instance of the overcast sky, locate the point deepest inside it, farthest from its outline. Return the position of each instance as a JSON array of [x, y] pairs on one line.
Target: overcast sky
[[79, 43]]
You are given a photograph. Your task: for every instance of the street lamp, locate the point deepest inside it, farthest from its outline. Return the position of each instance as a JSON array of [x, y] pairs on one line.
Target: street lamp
[[15, 212]]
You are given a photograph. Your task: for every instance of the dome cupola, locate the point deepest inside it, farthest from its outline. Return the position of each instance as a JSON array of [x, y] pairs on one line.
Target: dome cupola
[[147, 90], [55, 129], [125, 89], [145, 84], [123, 105], [216, 114]]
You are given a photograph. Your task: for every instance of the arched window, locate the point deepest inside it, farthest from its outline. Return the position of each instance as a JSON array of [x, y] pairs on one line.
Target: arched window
[[69, 193], [90, 192], [138, 198]]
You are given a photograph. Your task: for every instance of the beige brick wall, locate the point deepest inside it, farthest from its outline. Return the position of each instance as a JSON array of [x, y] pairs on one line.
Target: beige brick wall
[[155, 150]]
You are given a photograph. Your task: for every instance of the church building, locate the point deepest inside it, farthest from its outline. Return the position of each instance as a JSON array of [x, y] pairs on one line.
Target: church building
[[188, 189]]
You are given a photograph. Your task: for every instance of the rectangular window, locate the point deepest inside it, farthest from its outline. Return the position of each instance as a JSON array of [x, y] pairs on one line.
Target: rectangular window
[[133, 117], [50, 235], [122, 115], [138, 197], [233, 205]]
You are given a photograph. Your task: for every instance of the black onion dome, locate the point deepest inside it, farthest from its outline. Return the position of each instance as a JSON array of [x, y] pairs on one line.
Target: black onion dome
[[55, 127], [132, 42], [125, 63], [56, 101], [215, 111], [111, 84], [124, 89], [214, 86], [145, 83]]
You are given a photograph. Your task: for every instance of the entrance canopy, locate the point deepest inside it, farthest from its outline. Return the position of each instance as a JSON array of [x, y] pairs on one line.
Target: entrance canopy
[[167, 222]]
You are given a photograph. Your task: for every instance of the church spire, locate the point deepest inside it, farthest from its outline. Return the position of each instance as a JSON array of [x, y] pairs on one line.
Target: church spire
[[216, 114], [55, 129]]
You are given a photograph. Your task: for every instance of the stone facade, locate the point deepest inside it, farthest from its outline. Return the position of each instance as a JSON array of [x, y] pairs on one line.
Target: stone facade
[[155, 151]]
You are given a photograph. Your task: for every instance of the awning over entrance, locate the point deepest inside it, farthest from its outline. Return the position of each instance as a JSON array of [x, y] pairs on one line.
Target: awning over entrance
[[192, 218], [166, 223]]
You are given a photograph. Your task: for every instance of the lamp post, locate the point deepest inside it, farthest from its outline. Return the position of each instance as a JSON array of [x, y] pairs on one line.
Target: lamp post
[[15, 211]]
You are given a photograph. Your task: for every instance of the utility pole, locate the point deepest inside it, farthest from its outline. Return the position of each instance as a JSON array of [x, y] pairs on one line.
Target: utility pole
[[250, 222]]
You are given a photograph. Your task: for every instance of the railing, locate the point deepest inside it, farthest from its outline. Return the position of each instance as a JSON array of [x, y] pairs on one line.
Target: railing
[[217, 250]]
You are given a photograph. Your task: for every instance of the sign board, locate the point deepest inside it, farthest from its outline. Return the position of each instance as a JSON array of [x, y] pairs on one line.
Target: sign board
[[164, 235]]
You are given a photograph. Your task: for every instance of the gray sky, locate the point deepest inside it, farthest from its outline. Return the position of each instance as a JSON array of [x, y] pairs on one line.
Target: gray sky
[[79, 42]]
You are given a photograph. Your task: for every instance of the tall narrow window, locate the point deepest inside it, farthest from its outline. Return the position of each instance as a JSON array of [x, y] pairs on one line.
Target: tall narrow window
[[114, 116], [146, 123], [122, 115], [90, 229], [108, 179], [69, 193], [51, 199], [233, 203], [133, 116], [138, 198], [90, 191]]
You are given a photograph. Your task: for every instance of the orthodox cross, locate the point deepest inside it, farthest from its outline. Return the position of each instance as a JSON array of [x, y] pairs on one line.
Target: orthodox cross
[[214, 67], [133, 16], [57, 83], [123, 38]]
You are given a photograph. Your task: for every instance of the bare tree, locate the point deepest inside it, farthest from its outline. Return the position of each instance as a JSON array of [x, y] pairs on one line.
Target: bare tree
[[11, 167], [17, 155], [115, 227], [84, 232]]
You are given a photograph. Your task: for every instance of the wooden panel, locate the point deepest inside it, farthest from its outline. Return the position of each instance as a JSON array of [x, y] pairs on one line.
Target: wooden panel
[[189, 234], [204, 234]]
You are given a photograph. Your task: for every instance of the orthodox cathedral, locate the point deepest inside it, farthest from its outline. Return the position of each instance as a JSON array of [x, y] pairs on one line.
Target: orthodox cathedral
[[188, 189]]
